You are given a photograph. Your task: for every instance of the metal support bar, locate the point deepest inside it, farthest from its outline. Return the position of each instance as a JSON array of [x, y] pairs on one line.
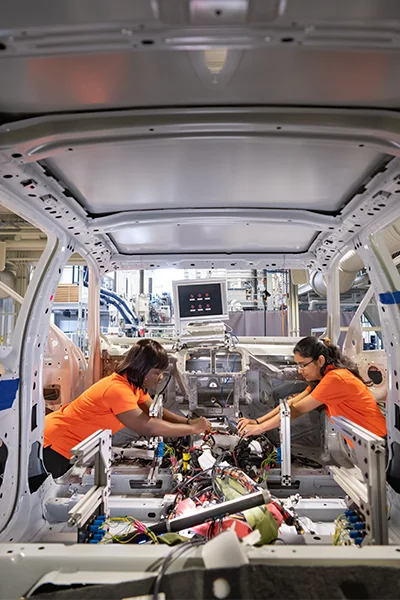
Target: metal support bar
[[156, 463], [86, 506], [293, 310], [353, 342], [156, 411], [307, 218], [96, 449], [94, 363], [156, 407], [286, 465], [32, 138], [333, 300], [368, 489]]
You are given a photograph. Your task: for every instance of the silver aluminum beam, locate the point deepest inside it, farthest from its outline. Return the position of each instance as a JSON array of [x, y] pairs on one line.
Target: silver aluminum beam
[[137, 218]]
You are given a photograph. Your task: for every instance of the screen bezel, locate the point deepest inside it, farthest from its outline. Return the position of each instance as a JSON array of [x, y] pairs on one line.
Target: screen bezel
[[187, 282]]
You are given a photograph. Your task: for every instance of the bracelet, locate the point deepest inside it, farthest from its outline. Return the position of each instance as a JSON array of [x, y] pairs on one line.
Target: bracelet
[[257, 422]]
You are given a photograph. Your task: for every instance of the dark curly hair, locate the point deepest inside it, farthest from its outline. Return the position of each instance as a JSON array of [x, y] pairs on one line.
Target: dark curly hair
[[144, 355], [312, 347]]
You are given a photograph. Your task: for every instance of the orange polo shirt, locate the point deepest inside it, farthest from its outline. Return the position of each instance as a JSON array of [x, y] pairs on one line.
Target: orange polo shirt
[[95, 409], [344, 395]]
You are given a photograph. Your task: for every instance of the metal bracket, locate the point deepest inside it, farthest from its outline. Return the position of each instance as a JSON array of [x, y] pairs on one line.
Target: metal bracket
[[155, 465], [368, 488], [156, 407], [286, 465], [95, 449], [156, 411]]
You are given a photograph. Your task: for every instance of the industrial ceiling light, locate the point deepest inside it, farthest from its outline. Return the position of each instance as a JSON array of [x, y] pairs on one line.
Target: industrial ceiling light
[[215, 66], [215, 59]]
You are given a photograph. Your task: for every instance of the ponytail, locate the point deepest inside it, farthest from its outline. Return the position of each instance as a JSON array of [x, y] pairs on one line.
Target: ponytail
[[312, 347]]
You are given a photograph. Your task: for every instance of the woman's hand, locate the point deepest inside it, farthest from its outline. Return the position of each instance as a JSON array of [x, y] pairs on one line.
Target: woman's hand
[[208, 427], [250, 430], [201, 425], [242, 423]]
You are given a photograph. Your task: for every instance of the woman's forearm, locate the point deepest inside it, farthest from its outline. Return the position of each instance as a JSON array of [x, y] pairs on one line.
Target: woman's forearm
[[139, 421], [171, 417], [275, 421], [272, 423], [161, 427], [276, 411], [269, 415]]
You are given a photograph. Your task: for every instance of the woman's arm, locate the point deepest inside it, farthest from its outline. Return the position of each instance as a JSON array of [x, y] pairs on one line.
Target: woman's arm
[[170, 416], [276, 410], [270, 415], [139, 421], [297, 408]]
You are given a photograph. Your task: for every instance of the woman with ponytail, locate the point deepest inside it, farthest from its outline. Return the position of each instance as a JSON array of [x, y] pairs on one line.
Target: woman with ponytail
[[334, 383]]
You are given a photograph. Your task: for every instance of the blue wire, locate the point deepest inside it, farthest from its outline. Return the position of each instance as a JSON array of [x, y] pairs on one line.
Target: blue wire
[[232, 334]]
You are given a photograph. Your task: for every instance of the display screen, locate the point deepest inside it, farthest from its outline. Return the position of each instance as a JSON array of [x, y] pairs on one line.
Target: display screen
[[200, 300]]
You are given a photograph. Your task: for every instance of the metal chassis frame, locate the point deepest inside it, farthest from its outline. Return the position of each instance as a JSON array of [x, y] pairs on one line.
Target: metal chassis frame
[[209, 32], [41, 137], [352, 344], [369, 495], [201, 28], [20, 511], [370, 245], [64, 221], [286, 460], [190, 379]]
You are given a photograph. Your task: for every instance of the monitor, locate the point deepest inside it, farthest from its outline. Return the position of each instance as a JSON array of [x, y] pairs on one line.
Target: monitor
[[200, 300]]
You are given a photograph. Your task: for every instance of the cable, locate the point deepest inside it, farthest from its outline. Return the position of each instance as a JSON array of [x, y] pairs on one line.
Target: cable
[[306, 462], [233, 335], [185, 483], [166, 385], [172, 556], [132, 529]]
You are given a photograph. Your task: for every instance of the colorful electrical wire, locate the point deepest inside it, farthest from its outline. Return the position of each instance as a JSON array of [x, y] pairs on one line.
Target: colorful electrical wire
[[132, 529]]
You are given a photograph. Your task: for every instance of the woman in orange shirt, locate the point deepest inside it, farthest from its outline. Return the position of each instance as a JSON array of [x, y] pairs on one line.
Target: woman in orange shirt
[[117, 401], [335, 383]]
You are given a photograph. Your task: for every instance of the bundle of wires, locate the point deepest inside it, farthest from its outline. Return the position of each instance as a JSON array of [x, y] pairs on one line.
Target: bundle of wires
[[341, 537], [232, 472], [169, 455], [304, 461], [266, 465], [129, 529]]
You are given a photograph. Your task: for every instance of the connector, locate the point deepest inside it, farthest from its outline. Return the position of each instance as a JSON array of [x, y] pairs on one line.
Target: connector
[[160, 449], [358, 540], [354, 534], [353, 519]]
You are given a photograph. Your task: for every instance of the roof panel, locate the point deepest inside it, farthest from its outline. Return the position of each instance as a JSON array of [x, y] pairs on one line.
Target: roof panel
[[212, 237], [191, 173], [272, 76]]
